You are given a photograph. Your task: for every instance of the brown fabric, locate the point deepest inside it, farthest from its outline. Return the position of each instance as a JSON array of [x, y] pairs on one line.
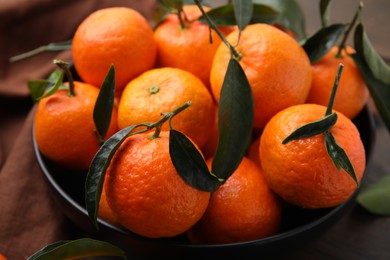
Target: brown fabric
[[29, 217]]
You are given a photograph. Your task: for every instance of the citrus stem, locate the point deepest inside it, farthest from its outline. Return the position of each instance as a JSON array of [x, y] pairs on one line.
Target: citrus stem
[[342, 45], [180, 17], [233, 52], [65, 67], [166, 116], [334, 90]]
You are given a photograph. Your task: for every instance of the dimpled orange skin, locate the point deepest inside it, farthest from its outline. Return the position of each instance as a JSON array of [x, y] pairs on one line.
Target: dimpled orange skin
[[187, 48], [301, 172], [139, 103], [116, 35], [244, 208], [277, 68], [64, 127], [352, 92], [145, 191]]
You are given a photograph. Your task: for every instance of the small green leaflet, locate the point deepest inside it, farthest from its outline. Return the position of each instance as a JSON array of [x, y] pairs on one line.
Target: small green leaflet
[[105, 103], [338, 156], [376, 197], [235, 121], [190, 164], [379, 90], [77, 249], [243, 10], [320, 43], [375, 62], [225, 15], [312, 128], [97, 171], [325, 7], [290, 16]]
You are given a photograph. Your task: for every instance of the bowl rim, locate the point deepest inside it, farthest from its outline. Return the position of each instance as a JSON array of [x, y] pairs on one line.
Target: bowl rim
[[288, 234]]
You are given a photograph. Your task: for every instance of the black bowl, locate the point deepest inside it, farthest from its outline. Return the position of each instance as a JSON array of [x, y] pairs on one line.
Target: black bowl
[[298, 225]]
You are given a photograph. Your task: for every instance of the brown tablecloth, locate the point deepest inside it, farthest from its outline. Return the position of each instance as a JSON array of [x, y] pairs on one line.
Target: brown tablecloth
[[29, 219]]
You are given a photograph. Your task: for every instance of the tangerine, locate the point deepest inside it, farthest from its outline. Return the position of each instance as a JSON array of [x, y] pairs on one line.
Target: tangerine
[[64, 126], [160, 90], [244, 208], [146, 193], [301, 171], [114, 35], [352, 93], [277, 67], [189, 46]]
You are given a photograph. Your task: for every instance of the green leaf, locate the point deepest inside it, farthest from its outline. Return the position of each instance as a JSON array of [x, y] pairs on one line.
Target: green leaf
[[97, 170], [320, 43], [338, 156], [375, 198], [55, 46], [77, 249], [235, 121], [225, 15], [379, 91], [190, 163], [105, 103], [37, 88], [290, 16], [313, 128], [325, 12], [364, 48], [243, 10], [58, 83]]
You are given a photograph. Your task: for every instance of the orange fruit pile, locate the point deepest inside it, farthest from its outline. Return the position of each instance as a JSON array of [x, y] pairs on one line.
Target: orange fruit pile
[[159, 70]]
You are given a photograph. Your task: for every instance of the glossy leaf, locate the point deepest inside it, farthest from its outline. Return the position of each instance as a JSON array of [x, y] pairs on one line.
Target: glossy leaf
[[105, 103], [243, 10], [58, 83], [97, 171], [37, 88], [325, 6], [376, 197], [320, 43], [313, 128], [290, 16], [338, 156], [375, 62], [190, 163], [77, 249], [379, 91], [235, 121], [225, 15]]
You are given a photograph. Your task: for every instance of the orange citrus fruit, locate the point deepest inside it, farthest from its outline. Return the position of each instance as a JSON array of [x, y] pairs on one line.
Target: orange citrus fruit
[[146, 193], [253, 151], [301, 171], [105, 211], [277, 67], [64, 126], [114, 35], [352, 92], [210, 147], [244, 208], [187, 47], [161, 90]]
